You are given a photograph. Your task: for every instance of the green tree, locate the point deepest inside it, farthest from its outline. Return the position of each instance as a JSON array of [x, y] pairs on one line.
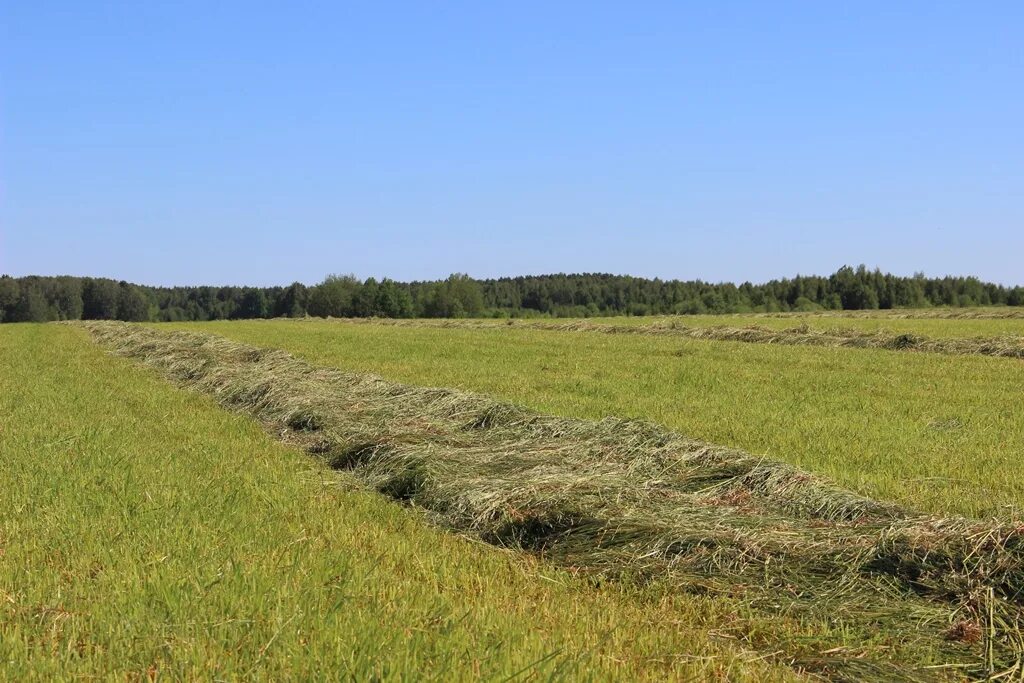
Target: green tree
[[66, 295], [292, 301], [457, 297], [31, 306], [132, 305], [333, 296], [10, 292], [100, 298], [393, 300], [466, 294], [856, 289], [253, 304], [364, 300]]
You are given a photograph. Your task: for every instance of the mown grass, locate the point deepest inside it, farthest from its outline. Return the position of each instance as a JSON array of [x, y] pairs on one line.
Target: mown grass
[[1005, 346], [938, 433], [929, 327], [629, 501], [145, 533]]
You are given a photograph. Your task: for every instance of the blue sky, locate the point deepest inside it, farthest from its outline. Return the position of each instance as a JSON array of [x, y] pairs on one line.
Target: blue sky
[[261, 143]]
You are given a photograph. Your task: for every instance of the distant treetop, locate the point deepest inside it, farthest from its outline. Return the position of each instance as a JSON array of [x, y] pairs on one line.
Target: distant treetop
[[38, 299]]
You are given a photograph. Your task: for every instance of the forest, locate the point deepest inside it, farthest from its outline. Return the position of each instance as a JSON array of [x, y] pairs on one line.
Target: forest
[[44, 298]]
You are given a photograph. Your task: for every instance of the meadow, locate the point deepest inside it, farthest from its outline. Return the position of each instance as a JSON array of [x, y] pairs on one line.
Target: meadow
[[147, 534], [880, 322], [936, 432], [222, 549]]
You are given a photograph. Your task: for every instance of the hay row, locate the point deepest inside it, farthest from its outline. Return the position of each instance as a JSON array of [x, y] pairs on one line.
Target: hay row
[[1009, 346], [628, 500], [992, 313]]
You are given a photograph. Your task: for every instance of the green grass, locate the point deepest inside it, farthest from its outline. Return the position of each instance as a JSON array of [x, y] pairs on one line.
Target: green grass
[[930, 327], [939, 433], [627, 501], [146, 532]]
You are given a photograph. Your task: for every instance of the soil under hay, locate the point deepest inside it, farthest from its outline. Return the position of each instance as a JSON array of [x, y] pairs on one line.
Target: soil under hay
[[631, 501]]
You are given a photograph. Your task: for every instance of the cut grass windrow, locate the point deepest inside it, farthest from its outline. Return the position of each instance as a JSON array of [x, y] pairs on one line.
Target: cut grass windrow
[[975, 313], [1008, 346], [631, 501]]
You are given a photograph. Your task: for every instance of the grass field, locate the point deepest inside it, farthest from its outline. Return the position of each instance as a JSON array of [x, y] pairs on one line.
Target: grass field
[[146, 533], [931, 327], [939, 433], [927, 323], [996, 346]]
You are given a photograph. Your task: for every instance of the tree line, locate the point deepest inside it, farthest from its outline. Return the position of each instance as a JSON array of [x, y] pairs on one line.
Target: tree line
[[39, 299]]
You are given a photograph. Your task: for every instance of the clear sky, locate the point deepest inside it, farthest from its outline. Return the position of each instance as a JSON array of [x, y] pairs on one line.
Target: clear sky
[[260, 143]]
